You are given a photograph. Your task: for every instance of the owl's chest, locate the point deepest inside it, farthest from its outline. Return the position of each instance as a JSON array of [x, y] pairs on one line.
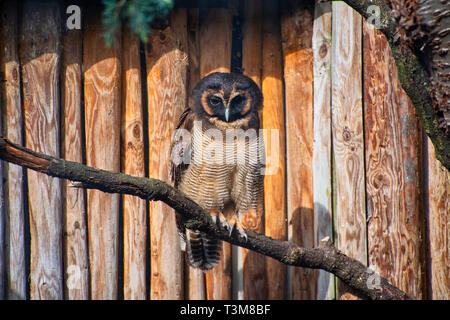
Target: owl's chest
[[219, 168]]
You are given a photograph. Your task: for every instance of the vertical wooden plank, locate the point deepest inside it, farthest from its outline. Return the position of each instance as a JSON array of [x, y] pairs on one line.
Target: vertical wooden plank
[[395, 256], [215, 56], [12, 116], [249, 273], [40, 59], [74, 206], [195, 278], [238, 254], [438, 196], [134, 209], [273, 119], [102, 73], [215, 40], [194, 47], [411, 279], [252, 40], [296, 28], [166, 79], [347, 127], [321, 44]]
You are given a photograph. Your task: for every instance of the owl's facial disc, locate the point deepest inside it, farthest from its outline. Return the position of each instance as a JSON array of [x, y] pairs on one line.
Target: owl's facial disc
[[227, 107]]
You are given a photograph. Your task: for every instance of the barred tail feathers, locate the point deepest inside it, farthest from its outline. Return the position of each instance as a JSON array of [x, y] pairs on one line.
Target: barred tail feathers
[[202, 252]]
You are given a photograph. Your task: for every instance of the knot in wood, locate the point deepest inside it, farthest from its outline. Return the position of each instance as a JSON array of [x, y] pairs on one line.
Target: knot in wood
[[137, 132], [346, 134], [323, 50]]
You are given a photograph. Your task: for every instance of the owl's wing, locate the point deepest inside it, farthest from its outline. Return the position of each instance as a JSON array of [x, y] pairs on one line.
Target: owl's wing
[[180, 150], [180, 154]]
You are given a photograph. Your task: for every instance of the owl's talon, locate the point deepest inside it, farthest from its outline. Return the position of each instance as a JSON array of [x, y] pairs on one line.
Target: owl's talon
[[220, 220], [224, 223], [240, 230], [242, 233]]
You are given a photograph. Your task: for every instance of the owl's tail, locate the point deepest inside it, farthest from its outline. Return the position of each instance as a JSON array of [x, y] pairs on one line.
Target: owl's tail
[[203, 252]]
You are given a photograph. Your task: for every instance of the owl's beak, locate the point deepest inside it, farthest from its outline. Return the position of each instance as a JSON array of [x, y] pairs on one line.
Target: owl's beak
[[227, 114]]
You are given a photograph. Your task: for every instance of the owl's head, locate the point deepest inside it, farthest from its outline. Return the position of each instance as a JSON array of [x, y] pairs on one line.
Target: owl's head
[[226, 96]]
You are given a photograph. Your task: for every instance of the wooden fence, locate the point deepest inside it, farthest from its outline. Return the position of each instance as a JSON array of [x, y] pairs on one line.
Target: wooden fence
[[354, 164]]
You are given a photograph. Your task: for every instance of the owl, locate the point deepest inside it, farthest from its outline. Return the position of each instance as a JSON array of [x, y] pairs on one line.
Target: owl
[[217, 161]]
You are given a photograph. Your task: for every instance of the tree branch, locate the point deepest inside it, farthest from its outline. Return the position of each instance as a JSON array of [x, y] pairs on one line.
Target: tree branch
[[414, 77], [326, 257]]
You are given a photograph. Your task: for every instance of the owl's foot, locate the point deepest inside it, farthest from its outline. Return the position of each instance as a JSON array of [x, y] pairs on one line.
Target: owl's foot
[[234, 221], [220, 220]]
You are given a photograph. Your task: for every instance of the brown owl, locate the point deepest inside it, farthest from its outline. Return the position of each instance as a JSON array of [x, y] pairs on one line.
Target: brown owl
[[217, 160]]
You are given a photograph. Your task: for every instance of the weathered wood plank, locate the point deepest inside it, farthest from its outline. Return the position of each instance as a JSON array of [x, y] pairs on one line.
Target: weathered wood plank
[[215, 56], [102, 71], [347, 128], [215, 41], [166, 57], [397, 255], [74, 206], [273, 121], [438, 195], [12, 119], [252, 41], [410, 279], [194, 48], [249, 276], [321, 44], [296, 28], [195, 278], [40, 42], [133, 162]]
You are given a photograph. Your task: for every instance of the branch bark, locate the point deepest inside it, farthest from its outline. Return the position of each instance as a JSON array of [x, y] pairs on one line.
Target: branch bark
[[364, 281], [415, 77]]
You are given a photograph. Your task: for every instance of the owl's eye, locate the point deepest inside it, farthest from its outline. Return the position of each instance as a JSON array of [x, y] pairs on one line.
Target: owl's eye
[[215, 100], [238, 100]]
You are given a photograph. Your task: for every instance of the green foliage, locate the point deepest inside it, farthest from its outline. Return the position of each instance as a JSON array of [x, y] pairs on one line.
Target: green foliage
[[138, 14]]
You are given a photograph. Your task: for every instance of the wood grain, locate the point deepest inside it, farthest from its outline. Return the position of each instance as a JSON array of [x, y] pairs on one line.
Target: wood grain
[[296, 30], [438, 197], [395, 256], [40, 59], [166, 60], [252, 41], [215, 56], [273, 120], [12, 119], [252, 284], [76, 262], [347, 128], [215, 40], [133, 163], [195, 278], [102, 74], [321, 44], [411, 279]]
